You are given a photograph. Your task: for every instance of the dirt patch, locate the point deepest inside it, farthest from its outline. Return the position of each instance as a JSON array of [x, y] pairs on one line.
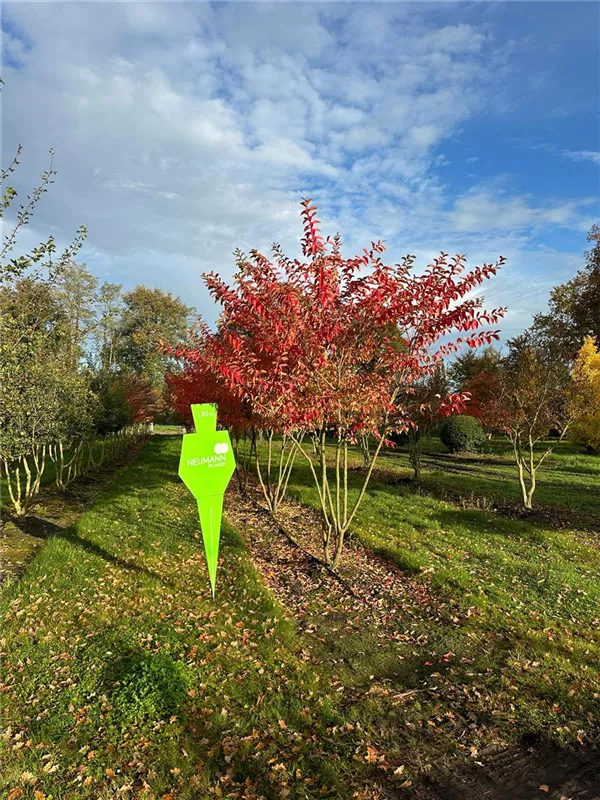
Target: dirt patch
[[366, 590], [526, 774]]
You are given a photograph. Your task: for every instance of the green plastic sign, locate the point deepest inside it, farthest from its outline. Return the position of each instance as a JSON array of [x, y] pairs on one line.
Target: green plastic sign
[[206, 466]]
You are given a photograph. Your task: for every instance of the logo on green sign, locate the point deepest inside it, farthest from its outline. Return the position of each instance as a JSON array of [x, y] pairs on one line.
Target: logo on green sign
[[206, 466]]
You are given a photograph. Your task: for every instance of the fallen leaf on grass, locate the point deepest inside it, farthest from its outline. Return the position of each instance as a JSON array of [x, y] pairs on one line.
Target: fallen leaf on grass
[[544, 787]]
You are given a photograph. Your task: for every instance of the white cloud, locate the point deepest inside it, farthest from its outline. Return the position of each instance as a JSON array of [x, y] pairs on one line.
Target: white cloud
[[582, 155], [483, 209], [185, 130]]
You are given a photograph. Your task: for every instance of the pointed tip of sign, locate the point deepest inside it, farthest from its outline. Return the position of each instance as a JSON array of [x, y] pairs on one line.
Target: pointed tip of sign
[[212, 590]]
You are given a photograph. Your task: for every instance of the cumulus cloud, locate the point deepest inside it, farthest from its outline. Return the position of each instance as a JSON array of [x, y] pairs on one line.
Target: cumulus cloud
[[185, 130]]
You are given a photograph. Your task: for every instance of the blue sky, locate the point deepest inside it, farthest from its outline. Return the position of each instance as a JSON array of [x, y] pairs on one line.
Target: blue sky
[[183, 131]]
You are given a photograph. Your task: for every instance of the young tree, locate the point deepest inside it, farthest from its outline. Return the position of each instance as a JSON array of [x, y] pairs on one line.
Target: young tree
[[469, 365], [145, 401], [530, 401], [426, 412], [585, 397], [481, 389], [106, 329], [43, 402], [294, 338], [41, 257]]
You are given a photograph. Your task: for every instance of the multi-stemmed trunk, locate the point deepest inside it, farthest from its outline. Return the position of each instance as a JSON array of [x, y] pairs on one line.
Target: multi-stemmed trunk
[[523, 444], [331, 483], [415, 449], [24, 490], [365, 448], [274, 473], [24, 473], [244, 447], [67, 468]]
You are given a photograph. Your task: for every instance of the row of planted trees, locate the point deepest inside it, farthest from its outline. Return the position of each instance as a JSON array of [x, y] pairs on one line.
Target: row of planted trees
[[547, 381], [81, 377], [331, 351], [54, 410]]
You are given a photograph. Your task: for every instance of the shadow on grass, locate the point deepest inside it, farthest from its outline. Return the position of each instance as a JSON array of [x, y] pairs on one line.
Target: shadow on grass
[[44, 529]]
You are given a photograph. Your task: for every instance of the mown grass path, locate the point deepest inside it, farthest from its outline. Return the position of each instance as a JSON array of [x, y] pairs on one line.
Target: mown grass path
[[123, 678]]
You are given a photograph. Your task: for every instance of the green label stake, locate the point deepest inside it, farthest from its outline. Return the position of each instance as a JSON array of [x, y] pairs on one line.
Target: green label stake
[[206, 466]]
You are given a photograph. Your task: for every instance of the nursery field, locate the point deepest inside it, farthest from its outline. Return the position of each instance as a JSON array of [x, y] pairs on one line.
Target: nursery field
[[569, 478], [456, 655]]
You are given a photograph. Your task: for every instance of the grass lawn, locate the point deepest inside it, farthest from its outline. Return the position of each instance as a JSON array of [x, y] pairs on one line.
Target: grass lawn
[[123, 678], [119, 671], [528, 597], [568, 478]]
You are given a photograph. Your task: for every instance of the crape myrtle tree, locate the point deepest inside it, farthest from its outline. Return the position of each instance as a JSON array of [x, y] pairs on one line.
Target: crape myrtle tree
[[529, 399], [253, 404], [294, 337]]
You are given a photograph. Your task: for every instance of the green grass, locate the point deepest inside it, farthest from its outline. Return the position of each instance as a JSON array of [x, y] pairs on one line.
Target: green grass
[[119, 671], [527, 596], [568, 478]]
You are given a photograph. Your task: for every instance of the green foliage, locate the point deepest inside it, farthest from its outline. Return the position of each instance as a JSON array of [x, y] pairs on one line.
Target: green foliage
[[150, 317], [462, 433], [574, 308], [471, 364], [113, 410], [43, 399], [144, 686]]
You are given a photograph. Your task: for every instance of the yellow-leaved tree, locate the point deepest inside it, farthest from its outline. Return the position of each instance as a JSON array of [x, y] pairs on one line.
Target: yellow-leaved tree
[[585, 396]]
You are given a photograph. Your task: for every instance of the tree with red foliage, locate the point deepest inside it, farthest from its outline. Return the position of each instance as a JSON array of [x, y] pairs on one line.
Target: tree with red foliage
[[197, 383], [144, 399], [313, 345], [482, 388]]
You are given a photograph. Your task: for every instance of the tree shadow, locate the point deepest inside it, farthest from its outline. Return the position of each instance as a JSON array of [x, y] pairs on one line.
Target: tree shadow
[[41, 528]]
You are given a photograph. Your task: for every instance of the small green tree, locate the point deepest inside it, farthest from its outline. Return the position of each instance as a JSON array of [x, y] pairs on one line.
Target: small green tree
[[43, 404], [76, 292], [574, 309], [109, 309], [472, 363]]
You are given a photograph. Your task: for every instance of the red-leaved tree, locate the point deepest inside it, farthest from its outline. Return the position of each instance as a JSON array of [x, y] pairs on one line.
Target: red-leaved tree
[[337, 346]]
